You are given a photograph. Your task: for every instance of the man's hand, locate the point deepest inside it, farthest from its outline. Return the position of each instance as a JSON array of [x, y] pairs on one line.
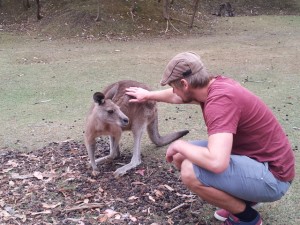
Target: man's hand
[[172, 150], [139, 94]]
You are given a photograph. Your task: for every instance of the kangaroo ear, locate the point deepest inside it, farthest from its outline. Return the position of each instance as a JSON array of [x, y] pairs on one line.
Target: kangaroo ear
[[99, 98]]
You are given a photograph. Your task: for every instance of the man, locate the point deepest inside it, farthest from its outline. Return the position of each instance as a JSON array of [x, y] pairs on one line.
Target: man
[[247, 158]]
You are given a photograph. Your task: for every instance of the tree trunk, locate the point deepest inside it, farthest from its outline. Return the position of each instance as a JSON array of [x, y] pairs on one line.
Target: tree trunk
[[133, 4], [98, 13], [194, 13], [38, 11], [26, 4], [166, 6]]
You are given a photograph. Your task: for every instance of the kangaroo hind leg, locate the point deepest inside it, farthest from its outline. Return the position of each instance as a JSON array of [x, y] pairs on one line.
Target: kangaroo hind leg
[[137, 131]]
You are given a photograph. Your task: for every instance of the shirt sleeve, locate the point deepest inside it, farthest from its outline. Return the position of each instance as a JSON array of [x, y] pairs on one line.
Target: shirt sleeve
[[221, 115]]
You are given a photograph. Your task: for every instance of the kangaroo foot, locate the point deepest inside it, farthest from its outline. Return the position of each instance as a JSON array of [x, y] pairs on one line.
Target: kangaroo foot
[[95, 173], [123, 170], [104, 159]]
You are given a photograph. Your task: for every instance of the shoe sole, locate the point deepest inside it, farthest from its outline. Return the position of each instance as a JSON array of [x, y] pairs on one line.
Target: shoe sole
[[218, 217]]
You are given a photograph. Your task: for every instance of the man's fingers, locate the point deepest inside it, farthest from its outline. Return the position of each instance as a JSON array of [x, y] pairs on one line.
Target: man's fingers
[[133, 100]]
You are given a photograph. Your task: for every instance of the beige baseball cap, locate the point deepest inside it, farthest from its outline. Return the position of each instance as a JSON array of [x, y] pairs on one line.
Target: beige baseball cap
[[182, 65]]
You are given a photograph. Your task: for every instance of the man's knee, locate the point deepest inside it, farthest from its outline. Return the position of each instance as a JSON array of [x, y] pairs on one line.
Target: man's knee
[[188, 176]]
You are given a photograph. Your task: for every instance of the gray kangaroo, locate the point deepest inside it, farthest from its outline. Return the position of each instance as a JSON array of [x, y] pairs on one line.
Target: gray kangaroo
[[111, 113]]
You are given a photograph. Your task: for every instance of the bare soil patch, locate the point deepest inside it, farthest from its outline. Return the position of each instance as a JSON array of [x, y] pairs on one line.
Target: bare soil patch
[[53, 185]]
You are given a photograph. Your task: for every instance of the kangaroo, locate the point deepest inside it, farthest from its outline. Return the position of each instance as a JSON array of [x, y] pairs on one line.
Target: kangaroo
[[111, 113]]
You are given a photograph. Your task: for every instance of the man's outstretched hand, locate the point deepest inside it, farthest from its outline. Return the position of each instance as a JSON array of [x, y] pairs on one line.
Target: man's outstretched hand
[[139, 94]]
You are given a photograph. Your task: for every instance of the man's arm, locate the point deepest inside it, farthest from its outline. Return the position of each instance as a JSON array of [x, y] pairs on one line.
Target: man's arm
[[214, 158], [142, 95]]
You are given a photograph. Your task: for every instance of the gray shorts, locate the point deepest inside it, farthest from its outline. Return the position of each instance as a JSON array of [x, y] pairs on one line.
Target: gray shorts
[[245, 178]]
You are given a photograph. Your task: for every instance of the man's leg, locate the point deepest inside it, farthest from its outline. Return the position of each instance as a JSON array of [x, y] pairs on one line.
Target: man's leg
[[239, 208], [211, 195]]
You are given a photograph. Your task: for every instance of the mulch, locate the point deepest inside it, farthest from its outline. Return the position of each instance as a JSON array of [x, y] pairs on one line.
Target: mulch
[[54, 185]]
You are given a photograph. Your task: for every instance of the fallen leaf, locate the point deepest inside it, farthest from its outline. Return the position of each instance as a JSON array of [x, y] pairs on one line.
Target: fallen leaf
[[6, 170], [158, 193], [92, 180], [103, 219], [110, 213], [50, 206], [132, 218], [168, 187], [151, 198], [21, 177], [170, 221], [4, 215], [38, 175], [132, 198], [138, 183], [12, 163], [100, 189], [141, 172]]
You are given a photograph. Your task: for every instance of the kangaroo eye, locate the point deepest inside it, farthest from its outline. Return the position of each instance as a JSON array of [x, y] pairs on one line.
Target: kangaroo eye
[[110, 111]]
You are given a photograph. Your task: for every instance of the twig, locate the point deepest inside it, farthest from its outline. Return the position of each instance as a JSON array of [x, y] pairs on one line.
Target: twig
[[85, 206], [167, 28], [169, 21], [255, 81], [175, 28], [43, 101], [43, 212], [72, 220], [177, 207], [182, 21]]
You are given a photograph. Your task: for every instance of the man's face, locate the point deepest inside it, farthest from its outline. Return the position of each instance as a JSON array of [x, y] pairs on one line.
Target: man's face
[[183, 93]]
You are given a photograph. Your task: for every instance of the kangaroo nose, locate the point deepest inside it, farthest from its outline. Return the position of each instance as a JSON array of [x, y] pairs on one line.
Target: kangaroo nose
[[126, 121]]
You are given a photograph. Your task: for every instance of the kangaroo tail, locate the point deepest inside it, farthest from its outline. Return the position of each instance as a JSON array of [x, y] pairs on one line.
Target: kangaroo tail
[[158, 140]]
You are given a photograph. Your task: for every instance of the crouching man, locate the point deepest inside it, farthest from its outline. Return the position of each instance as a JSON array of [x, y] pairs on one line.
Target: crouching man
[[247, 158]]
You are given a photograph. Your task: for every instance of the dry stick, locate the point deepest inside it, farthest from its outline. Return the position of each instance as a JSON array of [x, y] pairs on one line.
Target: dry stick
[[85, 206], [174, 27], [167, 28], [182, 21], [72, 220], [177, 207]]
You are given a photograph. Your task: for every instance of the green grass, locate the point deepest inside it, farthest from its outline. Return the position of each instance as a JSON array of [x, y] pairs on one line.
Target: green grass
[[46, 85]]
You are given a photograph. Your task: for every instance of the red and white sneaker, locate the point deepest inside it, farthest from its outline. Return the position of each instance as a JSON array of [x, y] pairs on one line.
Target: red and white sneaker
[[236, 221], [222, 214]]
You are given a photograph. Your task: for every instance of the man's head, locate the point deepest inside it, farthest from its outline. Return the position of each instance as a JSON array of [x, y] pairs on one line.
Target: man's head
[[188, 66]]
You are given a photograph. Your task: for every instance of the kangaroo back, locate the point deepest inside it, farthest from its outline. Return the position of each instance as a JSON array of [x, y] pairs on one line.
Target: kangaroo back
[[140, 113]]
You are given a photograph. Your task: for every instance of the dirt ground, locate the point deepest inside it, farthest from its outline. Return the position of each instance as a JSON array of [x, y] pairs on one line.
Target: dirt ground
[[46, 88]]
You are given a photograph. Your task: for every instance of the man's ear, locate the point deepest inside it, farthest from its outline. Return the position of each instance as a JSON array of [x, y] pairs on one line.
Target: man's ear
[[184, 84]]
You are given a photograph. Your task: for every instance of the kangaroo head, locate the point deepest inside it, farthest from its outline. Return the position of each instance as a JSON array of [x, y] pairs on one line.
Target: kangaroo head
[[107, 112]]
